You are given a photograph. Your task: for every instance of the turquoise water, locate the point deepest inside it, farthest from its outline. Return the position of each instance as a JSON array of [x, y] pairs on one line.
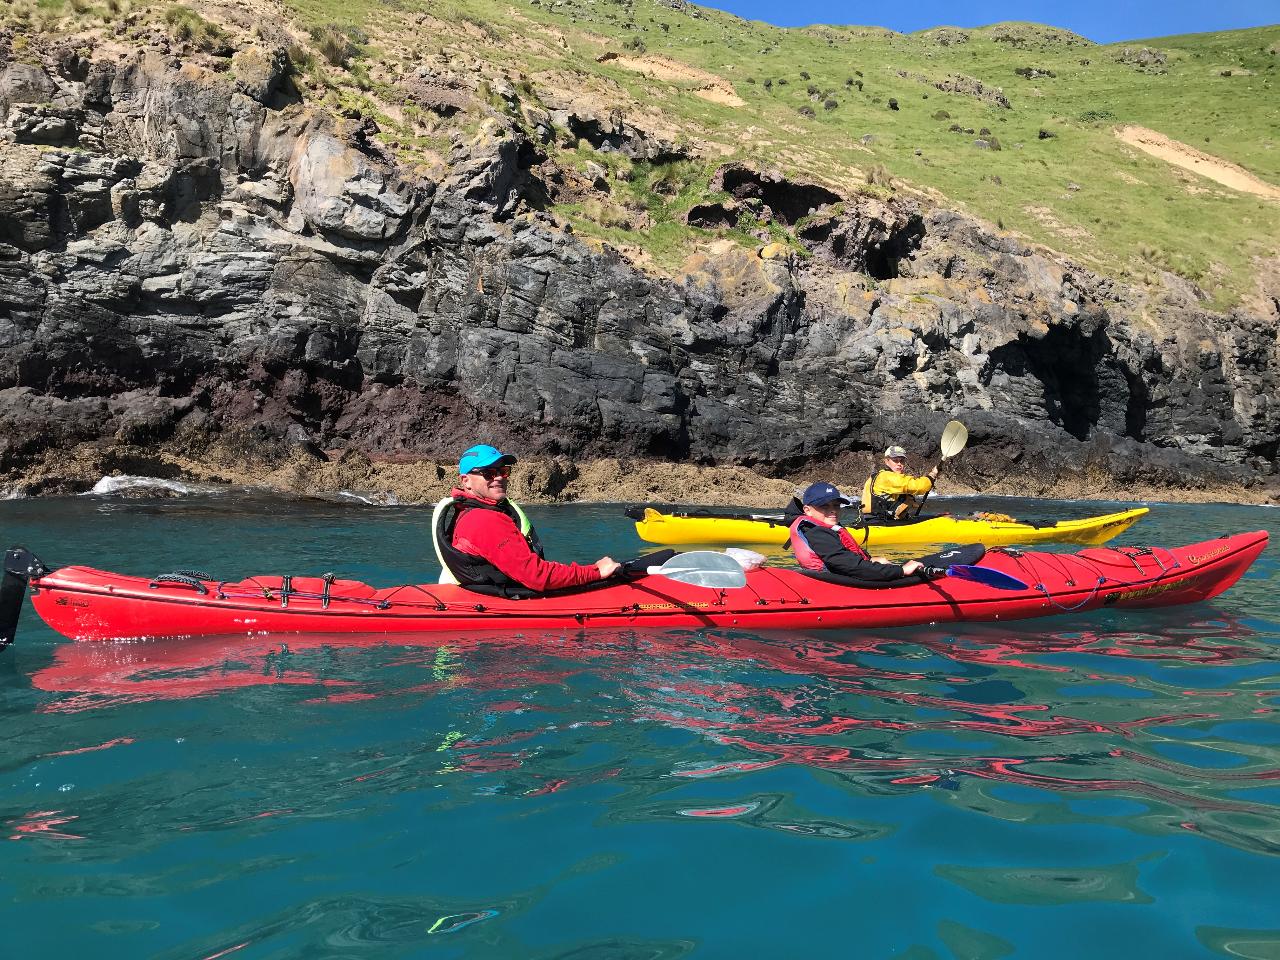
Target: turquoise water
[[1100, 785]]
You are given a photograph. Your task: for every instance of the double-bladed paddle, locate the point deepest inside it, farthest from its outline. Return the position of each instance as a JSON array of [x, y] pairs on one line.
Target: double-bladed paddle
[[707, 568], [983, 575], [954, 436]]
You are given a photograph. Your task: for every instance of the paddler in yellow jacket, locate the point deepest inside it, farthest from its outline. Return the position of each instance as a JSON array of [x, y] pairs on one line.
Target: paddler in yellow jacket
[[891, 493]]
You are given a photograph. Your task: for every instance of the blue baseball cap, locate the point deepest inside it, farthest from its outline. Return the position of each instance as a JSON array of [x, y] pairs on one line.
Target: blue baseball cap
[[821, 492], [482, 455]]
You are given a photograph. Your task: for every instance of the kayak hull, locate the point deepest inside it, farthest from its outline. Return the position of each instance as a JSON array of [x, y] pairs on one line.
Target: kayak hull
[[678, 530], [87, 604]]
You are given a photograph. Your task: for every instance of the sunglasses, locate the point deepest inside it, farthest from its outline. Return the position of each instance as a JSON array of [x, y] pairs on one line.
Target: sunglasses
[[492, 473]]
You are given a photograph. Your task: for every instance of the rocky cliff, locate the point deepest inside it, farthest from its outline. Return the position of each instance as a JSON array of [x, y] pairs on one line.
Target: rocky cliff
[[199, 265]]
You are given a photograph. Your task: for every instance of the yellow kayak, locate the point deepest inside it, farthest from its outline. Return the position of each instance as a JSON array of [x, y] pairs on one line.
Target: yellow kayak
[[708, 527]]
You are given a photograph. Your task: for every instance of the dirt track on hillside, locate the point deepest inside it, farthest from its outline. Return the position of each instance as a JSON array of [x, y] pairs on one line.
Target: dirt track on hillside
[[1189, 158], [711, 87]]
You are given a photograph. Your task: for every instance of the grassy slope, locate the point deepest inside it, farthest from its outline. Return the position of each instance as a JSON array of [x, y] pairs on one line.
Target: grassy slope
[[1111, 223], [1131, 215]]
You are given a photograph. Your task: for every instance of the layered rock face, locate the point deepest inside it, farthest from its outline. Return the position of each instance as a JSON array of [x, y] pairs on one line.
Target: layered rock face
[[187, 254]]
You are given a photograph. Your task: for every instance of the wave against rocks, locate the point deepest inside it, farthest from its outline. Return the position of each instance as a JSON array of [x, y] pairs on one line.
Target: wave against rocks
[[384, 499], [150, 487]]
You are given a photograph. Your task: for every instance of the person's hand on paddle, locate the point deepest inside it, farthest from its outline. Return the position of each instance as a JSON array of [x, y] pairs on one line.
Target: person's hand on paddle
[[607, 567], [911, 566], [933, 474]]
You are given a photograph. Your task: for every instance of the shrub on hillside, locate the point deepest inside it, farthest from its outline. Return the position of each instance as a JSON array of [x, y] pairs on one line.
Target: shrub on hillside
[[479, 24], [360, 74], [942, 115], [337, 44], [186, 25], [605, 213], [300, 58]]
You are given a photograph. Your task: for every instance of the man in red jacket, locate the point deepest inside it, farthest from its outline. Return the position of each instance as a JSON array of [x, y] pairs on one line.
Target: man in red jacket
[[486, 541]]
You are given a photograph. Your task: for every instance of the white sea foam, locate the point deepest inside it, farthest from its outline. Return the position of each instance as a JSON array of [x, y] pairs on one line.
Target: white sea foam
[[386, 499], [113, 486]]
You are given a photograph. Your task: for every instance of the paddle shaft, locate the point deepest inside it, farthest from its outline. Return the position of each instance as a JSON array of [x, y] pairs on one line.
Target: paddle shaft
[[949, 449], [925, 498]]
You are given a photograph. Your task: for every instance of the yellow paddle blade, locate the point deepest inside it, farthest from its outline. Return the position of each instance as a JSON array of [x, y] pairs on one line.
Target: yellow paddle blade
[[954, 437]]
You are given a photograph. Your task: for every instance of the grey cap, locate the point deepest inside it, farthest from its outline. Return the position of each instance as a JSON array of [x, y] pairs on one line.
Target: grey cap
[[896, 451]]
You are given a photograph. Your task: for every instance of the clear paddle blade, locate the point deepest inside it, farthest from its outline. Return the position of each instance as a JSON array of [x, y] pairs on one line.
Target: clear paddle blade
[[703, 568]]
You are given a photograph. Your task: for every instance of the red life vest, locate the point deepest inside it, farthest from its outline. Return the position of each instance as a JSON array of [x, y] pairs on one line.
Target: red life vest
[[804, 553]]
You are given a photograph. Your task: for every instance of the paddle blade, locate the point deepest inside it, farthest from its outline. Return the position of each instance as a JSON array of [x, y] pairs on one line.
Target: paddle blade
[[13, 589], [954, 437], [20, 566], [985, 575], [703, 568]]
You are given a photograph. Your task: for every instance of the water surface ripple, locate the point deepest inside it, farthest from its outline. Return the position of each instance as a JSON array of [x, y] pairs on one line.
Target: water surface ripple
[[1085, 785]]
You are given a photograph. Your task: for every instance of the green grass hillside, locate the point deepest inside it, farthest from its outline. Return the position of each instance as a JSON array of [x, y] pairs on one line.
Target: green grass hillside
[[1020, 128]]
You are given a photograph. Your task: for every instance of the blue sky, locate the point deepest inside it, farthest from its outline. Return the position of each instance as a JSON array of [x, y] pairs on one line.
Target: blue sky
[[1098, 20]]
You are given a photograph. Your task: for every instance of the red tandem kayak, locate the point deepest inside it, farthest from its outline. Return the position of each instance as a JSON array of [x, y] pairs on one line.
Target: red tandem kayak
[[87, 604]]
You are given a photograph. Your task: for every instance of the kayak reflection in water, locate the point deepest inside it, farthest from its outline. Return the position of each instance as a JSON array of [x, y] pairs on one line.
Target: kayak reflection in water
[[891, 493], [822, 545], [485, 542]]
